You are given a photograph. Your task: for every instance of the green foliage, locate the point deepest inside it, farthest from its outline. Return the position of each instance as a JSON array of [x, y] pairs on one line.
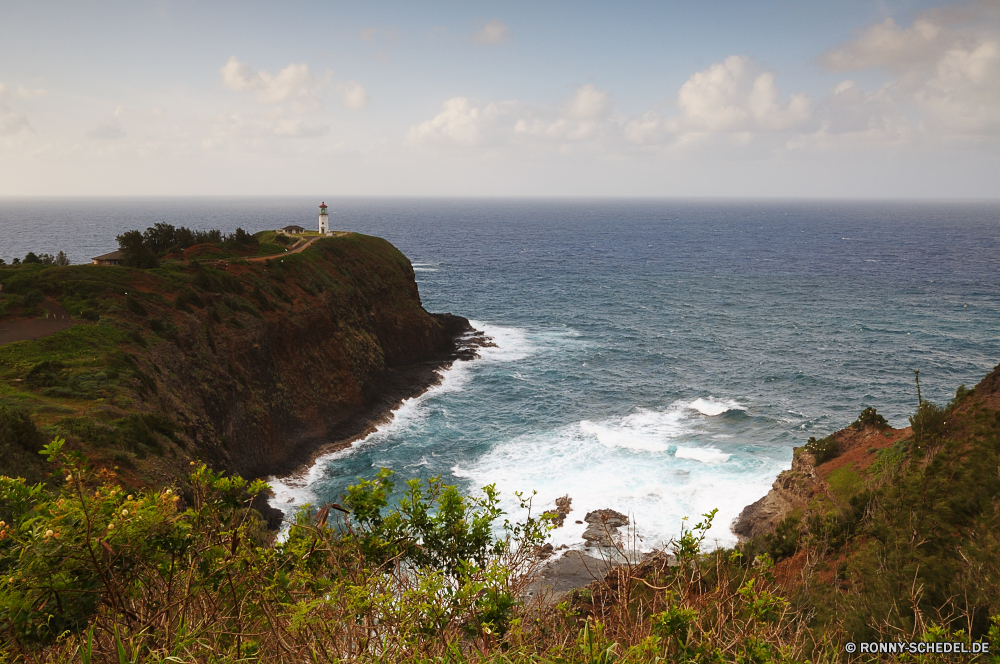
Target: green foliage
[[928, 422], [823, 449], [86, 571], [133, 305], [845, 482], [135, 252], [433, 526], [20, 442], [869, 417]]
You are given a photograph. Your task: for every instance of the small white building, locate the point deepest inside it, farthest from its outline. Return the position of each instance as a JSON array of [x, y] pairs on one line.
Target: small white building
[[324, 219]]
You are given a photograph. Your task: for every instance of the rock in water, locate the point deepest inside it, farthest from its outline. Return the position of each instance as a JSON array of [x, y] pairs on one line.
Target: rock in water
[[602, 527], [562, 509]]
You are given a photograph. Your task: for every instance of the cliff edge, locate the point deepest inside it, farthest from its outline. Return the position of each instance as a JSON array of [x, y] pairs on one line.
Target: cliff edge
[[248, 366]]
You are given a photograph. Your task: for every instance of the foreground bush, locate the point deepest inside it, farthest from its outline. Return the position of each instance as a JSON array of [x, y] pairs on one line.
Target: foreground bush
[[91, 573]]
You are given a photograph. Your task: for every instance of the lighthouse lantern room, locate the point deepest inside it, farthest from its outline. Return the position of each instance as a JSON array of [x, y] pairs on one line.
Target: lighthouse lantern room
[[324, 219]]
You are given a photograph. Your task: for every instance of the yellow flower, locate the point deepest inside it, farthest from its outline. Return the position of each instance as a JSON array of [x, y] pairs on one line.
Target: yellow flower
[[124, 512], [69, 478], [130, 496], [111, 526], [48, 533]]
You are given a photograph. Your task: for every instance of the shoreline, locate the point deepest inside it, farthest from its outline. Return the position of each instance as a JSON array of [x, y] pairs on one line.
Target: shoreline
[[399, 385]]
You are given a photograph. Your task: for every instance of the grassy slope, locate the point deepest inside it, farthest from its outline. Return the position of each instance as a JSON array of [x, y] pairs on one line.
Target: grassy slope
[[183, 360], [904, 531]]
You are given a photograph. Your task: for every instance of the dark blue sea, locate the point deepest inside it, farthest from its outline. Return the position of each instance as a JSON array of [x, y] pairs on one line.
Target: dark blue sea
[[660, 358]]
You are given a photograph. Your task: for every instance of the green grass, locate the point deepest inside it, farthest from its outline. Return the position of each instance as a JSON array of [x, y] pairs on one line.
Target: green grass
[[844, 483]]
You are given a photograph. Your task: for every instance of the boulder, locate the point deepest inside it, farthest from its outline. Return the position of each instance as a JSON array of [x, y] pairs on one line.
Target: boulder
[[602, 527]]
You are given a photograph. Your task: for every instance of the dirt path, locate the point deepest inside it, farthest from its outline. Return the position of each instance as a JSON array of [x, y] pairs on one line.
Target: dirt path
[[301, 247], [19, 330]]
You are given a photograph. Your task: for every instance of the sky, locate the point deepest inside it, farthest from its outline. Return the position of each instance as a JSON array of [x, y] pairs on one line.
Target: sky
[[848, 99]]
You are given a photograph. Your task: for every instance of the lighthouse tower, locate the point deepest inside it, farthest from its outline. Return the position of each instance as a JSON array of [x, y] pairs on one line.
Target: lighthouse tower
[[324, 219]]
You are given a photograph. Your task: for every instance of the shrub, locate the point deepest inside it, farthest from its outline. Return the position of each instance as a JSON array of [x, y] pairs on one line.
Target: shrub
[[869, 417], [823, 449], [20, 443], [929, 421], [135, 306]]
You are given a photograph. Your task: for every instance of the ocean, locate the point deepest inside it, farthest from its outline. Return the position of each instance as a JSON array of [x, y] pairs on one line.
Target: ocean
[[656, 357]]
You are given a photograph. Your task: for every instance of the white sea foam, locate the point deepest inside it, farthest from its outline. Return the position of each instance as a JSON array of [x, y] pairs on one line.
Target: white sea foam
[[648, 464], [712, 407], [703, 454], [296, 490]]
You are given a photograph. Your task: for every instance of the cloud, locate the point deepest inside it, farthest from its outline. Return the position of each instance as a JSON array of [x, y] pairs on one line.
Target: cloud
[[11, 122], [948, 72], [139, 114], [237, 130], [353, 95], [294, 82], [888, 45], [494, 32], [461, 121], [110, 130], [368, 34], [585, 115], [25, 93], [731, 96]]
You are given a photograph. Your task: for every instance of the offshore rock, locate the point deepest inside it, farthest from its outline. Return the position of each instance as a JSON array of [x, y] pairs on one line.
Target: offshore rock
[[562, 509], [602, 528]]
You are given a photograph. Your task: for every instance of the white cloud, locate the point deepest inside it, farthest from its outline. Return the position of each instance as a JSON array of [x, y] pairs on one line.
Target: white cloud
[[888, 45], [353, 95], [238, 131], [731, 96], [294, 82], [11, 122], [949, 73], [26, 93], [110, 130], [586, 115], [461, 121], [368, 34], [494, 32]]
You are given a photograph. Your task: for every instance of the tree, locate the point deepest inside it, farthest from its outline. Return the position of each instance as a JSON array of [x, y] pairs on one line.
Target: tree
[[31, 257], [61, 259], [242, 237], [135, 252], [160, 236]]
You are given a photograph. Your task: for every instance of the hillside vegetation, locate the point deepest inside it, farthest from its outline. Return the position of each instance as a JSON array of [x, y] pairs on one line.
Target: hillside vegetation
[[245, 365], [127, 531], [904, 553]]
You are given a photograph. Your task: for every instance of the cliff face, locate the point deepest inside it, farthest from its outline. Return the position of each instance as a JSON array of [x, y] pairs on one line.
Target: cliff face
[[808, 488], [307, 371], [248, 366]]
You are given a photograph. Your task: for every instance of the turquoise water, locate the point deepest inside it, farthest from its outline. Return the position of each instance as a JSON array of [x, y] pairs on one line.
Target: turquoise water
[[660, 358]]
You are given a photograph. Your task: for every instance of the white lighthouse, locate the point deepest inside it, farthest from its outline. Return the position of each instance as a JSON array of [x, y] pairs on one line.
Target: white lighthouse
[[324, 219]]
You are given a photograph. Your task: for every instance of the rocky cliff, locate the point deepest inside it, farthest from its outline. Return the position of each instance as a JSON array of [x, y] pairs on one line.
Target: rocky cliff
[[809, 488], [250, 366]]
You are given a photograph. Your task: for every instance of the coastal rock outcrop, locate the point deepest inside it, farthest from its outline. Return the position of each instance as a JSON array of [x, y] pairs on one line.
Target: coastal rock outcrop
[[791, 491], [562, 510], [602, 527]]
